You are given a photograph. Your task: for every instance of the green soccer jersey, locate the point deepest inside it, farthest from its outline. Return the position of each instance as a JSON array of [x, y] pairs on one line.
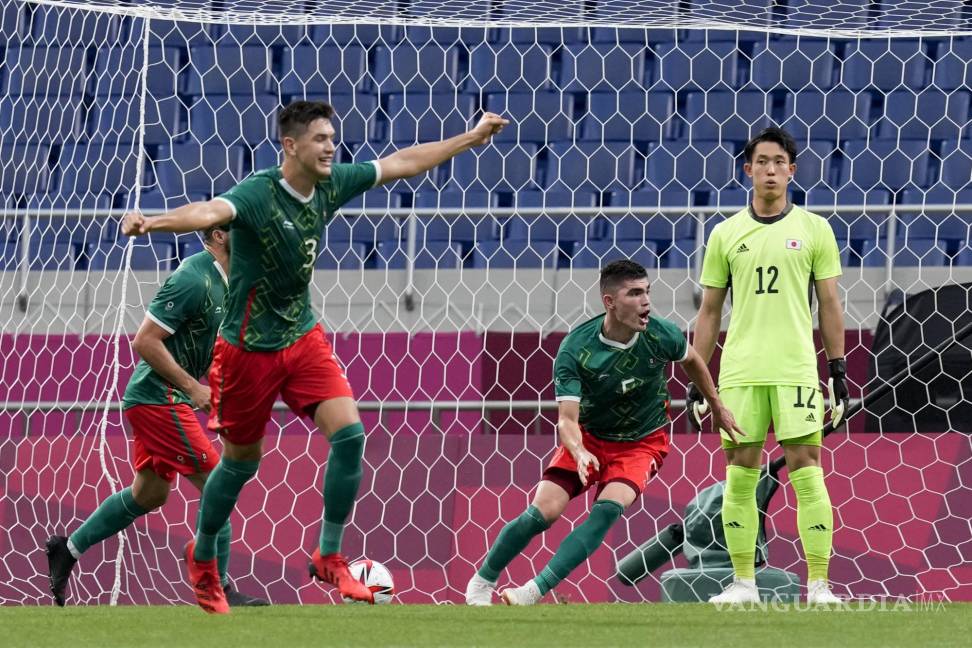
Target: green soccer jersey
[[190, 307], [622, 388], [274, 238], [771, 265]]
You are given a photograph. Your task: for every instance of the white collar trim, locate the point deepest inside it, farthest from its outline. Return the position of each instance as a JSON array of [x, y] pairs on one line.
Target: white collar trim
[[619, 345], [222, 273], [296, 194]]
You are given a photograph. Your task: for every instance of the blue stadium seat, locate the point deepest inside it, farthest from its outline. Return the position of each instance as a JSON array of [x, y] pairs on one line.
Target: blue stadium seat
[[155, 199], [509, 68], [648, 226], [930, 113], [23, 169], [814, 166], [964, 257], [56, 203], [117, 119], [835, 14], [548, 228], [187, 168], [884, 64], [264, 156], [145, 256], [118, 71], [50, 256], [646, 197], [705, 166], [638, 35], [327, 69], [541, 117], [515, 253], [602, 167], [596, 254], [680, 254], [698, 65], [351, 34], [172, 33], [229, 69], [555, 36], [442, 34], [40, 119], [59, 26], [885, 164], [354, 115], [13, 22], [873, 253], [371, 230], [555, 199], [87, 170], [461, 228], [957, 164], [938, 194], [603, 66], [418, 117], [794, 64], [726, 116], [851, 225], [426, 66], [500, 167], [346, 256], [940, 15], [189, 244], [951, 68], [441, 255], [950, 230], [264, 35], [926, 252], [628, 116], [234, 119], [432, 180], [52, 71], [379, 198], [835, 115]]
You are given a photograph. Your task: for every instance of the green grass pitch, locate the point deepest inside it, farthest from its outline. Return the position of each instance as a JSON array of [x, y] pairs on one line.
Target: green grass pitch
[[560, 626]]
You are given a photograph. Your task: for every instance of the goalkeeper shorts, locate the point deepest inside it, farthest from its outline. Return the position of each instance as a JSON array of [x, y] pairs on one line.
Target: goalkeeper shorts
[[795, 412], [169, 440]]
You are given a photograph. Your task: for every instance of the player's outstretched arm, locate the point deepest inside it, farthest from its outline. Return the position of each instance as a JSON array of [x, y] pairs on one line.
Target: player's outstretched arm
[[698, 373], [418, 159], [707, 326], [568, 427], [831, 317], [148, 344], [195, 216]]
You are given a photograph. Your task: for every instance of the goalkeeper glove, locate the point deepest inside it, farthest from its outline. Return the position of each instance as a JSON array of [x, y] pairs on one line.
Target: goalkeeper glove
[[837, 388], [696, 406]]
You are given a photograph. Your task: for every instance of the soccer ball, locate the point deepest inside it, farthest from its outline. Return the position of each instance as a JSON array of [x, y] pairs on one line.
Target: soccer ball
[[376, 577]]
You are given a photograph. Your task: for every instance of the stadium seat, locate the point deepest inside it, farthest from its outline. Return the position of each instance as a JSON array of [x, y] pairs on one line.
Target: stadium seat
[[229, 69], [189, 244], [689, 65], [118, 71], [41, 119], [56, 204], [563, 229], [884, 64], [885, 164], [94, 169], [794, 64], [441, 255], [379, 198], [145, 256], [726, 116], [938, 194], [857, 224], [648, 226], [556, 36], [924, 114], [555, 199], [234, 119], [836, 115], [263, 35], [636, 35], [456, 227], [117, 119], [50, 256], [187, 168], [416, 117], [509, 67], [814, 166], [50, 71], [500, 167], [180, 34], [643, 199], [432, 180], [956, 164], [343, 256], [325, 69], [596, 254], [941, 15], [354, 115], [14, 22], [680, 253], [951, 68], [926, 252], [353, 34], [542, 117], [951, 231], [404, 66], [155, 200], [843, 14], [515, 253], [611, 165], [628, 116], [703, 165], [602, 66], [60, 26]]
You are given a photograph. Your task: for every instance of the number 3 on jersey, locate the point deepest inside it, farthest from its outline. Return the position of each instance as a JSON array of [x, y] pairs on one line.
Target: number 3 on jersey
[[772, 273], [310, 246]]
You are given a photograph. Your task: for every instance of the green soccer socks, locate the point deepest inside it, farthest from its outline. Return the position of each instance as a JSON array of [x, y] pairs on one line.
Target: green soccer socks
[[815, 519], [112, 515], [740, 520], [341, 480], [513, 539], [218, 499]]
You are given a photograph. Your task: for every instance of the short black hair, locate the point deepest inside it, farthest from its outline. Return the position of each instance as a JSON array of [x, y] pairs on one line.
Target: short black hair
[[617, 272], [208, 232], [776, 135], [292, 121]]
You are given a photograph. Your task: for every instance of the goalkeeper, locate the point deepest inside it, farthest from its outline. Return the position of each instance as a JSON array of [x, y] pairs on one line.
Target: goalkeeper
[[610, 380], [175, 342], [773, 255]]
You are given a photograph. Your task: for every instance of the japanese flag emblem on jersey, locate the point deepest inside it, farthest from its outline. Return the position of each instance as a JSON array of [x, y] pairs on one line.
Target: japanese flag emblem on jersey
[[794, 244]]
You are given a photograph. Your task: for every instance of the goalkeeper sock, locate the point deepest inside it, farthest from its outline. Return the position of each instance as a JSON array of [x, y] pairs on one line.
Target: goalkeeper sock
[[513, 539], [580, 544], [222, 549], [815, 517], [341, 480], [219, 496], [114, 514], [740, 520]]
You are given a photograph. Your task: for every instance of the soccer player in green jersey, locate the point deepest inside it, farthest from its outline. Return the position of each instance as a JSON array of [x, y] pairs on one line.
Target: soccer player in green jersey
[[771, 255], [175, 342], [270, 341], [611, 383]]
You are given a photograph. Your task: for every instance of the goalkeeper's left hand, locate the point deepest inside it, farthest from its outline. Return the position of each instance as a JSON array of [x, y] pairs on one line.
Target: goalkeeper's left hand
[[837, 389]]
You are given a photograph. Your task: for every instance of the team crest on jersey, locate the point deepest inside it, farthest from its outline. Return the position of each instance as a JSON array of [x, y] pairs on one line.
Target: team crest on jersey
[[794, 244], [169, 306]]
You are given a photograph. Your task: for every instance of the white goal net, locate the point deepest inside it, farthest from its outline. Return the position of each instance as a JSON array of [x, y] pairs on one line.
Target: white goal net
[[447, 295]]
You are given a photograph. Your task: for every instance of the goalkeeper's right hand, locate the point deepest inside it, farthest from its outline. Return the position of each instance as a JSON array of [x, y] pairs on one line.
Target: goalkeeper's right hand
[[696, 406]]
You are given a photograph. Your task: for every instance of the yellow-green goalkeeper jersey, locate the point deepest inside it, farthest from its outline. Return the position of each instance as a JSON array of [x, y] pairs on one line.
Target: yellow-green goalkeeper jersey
[[770, 266], [189, 307], [274, 239], [622, 388]]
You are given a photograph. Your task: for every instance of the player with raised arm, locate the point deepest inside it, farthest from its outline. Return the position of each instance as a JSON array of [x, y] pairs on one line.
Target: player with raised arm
[[175, 343], [611, 383], [271, 342], [773, 256]]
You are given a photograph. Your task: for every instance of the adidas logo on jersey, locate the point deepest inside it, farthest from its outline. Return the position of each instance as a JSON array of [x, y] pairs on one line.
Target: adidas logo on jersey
[[810, 418], [742, 248], [734, 525], [818, 527]]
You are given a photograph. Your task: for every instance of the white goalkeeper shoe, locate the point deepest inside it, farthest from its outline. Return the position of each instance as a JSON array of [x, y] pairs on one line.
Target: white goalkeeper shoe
[[479, 591], [819, 593], [739, 592], [524, 595]]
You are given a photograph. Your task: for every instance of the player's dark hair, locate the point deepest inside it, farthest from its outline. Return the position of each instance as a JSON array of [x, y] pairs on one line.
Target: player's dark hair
[[614, 274], [208, 232], [293, 120], [776, 135]]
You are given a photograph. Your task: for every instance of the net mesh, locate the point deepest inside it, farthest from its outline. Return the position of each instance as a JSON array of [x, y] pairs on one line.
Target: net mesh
[[448, 294]]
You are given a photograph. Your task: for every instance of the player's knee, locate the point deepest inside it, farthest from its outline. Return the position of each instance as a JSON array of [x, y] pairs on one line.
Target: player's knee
[[150, 498], [347, 444], [548, 508], [248, 452]]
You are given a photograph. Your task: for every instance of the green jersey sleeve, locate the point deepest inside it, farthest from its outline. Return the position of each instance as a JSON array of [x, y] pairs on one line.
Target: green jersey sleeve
[[567, 382], [250, 199], [826, 255], [673, 342], [350, 180], [180, 298], [715, 263]]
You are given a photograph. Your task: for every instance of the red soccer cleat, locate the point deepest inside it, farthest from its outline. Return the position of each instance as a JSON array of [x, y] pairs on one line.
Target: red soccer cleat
[[333, 569], [204, 578]]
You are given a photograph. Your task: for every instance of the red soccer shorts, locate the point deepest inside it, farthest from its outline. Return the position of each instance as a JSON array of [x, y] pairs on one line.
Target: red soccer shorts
[[169, 440], [245, 384], [631, 462]]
